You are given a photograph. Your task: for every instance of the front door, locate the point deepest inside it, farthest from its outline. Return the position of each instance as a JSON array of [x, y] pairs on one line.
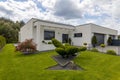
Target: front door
[[64, 38]]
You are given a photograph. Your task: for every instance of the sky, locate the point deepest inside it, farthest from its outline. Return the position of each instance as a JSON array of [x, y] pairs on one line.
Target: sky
[[75, 12]]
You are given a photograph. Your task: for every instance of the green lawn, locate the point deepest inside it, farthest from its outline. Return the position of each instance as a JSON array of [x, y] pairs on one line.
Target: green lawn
[[97, 66]]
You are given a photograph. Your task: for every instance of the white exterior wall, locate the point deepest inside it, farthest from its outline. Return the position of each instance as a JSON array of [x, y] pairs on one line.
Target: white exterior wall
[[35, 29], [26, 32], [86, 35], [58, 36], [103, 30], [59, 30]]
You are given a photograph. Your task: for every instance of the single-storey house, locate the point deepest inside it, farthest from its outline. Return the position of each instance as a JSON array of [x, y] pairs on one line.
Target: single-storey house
[[42, 32]]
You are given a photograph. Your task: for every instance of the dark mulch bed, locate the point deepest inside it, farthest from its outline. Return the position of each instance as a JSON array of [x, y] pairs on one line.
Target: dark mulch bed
[[64, 63]]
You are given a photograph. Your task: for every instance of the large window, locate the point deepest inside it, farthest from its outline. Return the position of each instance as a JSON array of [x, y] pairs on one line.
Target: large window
[[78, 35], [48, 35]]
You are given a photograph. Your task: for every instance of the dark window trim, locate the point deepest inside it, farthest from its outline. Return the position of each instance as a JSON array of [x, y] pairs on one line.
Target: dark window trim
[[48, 32], [78, 35]]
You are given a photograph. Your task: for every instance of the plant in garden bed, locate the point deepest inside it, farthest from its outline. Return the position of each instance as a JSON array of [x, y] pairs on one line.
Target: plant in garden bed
[[102, 46], [44, 42], [67, 44], [27, 47], [82, 48], [56, 43], [94, 50], [49, 42], [65, 50], [109, 41], [85, 44], [112, 52], [94, 41]]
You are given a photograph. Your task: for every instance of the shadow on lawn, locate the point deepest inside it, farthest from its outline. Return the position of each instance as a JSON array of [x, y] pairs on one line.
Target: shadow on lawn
[[20, 54]]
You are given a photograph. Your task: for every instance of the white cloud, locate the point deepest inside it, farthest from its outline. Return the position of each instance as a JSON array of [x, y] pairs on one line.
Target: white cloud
[[68, 9], [20, 10], [102, 12], [48, 4]]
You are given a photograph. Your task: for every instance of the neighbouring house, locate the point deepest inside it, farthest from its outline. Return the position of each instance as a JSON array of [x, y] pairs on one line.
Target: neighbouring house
[[42, 32]]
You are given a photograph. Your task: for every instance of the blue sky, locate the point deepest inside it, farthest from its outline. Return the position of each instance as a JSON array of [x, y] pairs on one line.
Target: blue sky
[[102, 12]]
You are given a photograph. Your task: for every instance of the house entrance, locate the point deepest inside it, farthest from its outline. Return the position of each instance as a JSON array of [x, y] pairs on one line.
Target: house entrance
[[64, 38]]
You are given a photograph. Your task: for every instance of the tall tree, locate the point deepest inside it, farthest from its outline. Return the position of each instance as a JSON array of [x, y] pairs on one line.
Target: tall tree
[[9, 29]]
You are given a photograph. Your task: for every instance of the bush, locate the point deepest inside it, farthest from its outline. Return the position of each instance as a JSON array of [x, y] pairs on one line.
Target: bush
[[2, 42], [71, 50], [94, 50], [64, 50], [49, 42], [112, 52], [28, 46], [66, 44], [82, 48], [102, 45], [85, 44], [44, 42], [61, 51], [56, 43], [109, 41], [94, 41]]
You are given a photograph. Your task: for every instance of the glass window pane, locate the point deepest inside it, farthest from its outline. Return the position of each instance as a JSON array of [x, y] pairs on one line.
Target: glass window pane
[[48, 35]]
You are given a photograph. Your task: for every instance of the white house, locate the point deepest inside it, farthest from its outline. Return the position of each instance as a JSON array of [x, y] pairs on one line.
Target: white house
[[42, 32]]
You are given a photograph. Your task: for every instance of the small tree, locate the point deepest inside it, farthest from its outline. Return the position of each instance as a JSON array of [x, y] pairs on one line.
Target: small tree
[[94, 41], [109, 41], [103, 46], [27, 46]]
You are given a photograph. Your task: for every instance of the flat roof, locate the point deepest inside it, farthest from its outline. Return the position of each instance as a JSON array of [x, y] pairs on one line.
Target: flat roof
[[69, 24], [53, 22], [94, 24]]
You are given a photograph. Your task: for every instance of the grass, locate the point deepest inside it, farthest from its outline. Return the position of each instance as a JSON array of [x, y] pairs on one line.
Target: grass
[[97, 66]]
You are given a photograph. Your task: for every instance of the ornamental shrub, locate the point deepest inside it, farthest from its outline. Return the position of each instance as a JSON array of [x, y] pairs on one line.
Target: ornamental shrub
[[44, 42], [2, 42], [85, 44], [71, 50], [94, 41], [49, 42], [94, 50], [28, 46], [112, 52], [66, 44], [56, 43], [82, 48], [109, 41], [102, 45], [64, 50], [61, 52]]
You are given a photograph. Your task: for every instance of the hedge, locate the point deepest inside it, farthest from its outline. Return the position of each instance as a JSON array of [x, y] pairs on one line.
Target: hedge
[[2, 42]]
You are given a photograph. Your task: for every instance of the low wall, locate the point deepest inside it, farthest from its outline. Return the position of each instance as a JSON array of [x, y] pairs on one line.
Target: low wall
[[115, 48]]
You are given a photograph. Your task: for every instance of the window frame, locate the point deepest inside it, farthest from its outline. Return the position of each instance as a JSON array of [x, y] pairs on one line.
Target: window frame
[[49, 32], [78, 35]]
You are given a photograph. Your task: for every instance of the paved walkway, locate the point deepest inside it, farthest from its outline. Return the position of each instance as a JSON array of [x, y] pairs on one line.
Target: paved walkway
[[64, 63]]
